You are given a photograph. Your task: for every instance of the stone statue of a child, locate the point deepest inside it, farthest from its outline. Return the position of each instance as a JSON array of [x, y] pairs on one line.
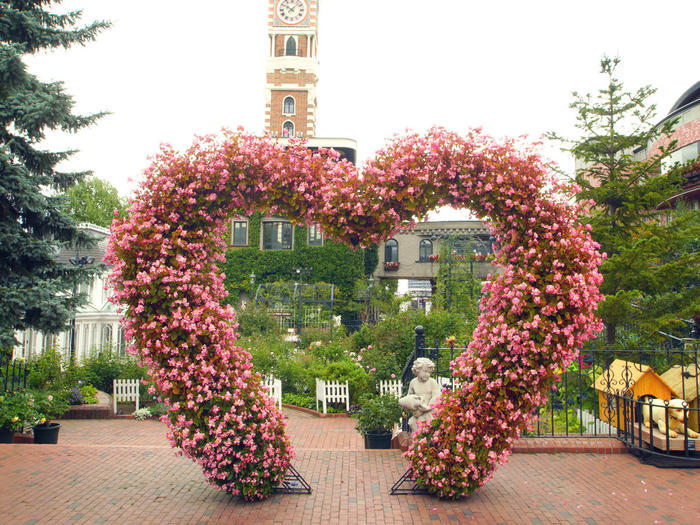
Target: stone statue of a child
[[423, 391]]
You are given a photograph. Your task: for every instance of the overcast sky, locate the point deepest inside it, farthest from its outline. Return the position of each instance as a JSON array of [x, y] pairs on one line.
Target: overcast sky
[[168, 70]]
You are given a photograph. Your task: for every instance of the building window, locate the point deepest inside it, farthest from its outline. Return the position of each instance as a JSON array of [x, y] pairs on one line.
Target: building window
[[288, 129], [391, 251], [288, 106], [277, 235], [315, 235], [425, 250], [106, 336], [290, 49], [239, 232]]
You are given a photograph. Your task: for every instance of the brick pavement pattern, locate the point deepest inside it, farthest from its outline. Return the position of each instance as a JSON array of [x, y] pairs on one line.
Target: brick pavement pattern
[[124, 471]]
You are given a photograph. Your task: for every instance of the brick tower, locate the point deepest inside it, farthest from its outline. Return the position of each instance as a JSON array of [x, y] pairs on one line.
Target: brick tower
[[292, 68]]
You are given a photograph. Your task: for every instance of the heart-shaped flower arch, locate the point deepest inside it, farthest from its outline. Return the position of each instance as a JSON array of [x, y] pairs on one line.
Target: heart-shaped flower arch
[[536, 314]]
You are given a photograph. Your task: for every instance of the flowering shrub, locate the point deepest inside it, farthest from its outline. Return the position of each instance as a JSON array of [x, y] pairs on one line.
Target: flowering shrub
[[142, 414], [166, 257]]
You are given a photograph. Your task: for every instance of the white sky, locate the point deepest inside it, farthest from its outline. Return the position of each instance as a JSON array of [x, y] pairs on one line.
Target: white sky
[[168, 70]]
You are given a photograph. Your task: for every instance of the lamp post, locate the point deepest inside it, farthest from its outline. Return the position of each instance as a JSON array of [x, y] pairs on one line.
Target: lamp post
[[299, 273], [370, 284], [79, 262], [251, 279]]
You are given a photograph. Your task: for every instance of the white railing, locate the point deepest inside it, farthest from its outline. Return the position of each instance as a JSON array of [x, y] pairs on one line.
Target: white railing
[[392, 387], [332, 392], [274, 389], [593, 425], [125, 390]]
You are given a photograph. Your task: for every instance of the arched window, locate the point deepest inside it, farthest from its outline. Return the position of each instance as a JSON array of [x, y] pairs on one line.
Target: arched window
[[288, 129], [288, 106], [425, 250], [290, 49], [391, 251]]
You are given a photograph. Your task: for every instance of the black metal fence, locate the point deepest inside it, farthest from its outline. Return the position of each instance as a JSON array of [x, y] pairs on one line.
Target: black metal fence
[[598, 392], [13, 374]]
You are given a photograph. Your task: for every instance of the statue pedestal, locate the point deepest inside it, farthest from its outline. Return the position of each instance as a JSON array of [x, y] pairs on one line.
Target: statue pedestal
[[401, 441]]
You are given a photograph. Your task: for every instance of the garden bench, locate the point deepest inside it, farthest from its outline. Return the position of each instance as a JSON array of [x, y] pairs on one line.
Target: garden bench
[[392, 387], [274, 389], [125, 390], [332, 392]]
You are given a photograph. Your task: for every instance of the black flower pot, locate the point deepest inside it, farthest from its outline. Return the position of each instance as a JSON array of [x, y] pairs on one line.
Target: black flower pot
[[378, 439], [46, 434], [7, 435]]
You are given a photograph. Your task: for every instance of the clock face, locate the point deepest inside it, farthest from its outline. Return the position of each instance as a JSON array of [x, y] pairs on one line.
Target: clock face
[[291, 11]]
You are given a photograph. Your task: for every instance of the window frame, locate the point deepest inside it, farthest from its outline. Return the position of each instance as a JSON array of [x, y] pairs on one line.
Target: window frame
[[424, 257], [284, 125], [291, 38], [318, 235], [232, 241], [284, 105], [284, 223], [387, 250]]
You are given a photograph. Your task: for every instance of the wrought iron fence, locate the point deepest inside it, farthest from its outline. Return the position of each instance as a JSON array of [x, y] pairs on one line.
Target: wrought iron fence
[[14, 374], [586, 400]]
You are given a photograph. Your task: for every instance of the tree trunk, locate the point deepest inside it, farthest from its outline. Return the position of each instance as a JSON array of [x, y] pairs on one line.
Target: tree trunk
[[610, 333]]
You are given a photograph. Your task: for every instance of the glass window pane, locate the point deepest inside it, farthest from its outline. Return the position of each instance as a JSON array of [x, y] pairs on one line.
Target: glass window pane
[[240, 233]]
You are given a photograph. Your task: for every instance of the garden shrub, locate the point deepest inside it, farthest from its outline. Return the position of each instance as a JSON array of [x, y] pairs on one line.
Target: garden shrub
[[299, 400], [46, 370], [102, 368], [253, 321]]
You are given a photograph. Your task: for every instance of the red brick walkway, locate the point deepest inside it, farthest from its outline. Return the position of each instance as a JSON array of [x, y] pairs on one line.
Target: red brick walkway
[[124, 471]]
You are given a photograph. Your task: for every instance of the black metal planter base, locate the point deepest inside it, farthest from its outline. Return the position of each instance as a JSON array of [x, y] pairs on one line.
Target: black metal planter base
[[293, 483], [406, 485], [666, 459]]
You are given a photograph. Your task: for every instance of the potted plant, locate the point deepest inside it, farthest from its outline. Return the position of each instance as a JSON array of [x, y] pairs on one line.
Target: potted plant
[[15, 409], [375, 420], [48, 405]]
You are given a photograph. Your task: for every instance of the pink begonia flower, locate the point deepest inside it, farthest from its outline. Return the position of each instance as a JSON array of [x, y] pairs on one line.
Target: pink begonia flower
[[167, 255]]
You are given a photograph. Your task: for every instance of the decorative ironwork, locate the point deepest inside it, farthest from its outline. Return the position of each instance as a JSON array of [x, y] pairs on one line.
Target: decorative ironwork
[[406, 485], [13, 375], [293, 483]]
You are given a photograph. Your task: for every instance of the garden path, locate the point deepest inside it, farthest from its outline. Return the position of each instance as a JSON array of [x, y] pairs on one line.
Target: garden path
[[124, 471]]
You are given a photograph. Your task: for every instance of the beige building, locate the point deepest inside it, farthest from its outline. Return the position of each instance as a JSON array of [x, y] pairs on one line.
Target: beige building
[[414, 254]]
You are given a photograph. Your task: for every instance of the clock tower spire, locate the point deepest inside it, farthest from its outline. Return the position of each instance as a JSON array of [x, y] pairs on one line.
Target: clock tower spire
[[292, 68]]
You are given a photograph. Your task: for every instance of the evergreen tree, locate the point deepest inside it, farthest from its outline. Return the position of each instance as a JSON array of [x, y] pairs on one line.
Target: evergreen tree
[[35, 291], [95, 200], [649, 266]]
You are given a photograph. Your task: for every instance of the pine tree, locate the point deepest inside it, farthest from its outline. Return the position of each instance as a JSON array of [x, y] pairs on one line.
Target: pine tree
[[35, 291], [649, 266]]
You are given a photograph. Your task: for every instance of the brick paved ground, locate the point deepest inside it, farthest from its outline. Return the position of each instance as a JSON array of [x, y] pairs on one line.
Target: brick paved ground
[[124, 471]]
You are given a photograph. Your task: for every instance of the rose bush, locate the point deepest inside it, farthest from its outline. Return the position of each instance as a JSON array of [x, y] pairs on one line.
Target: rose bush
[[166, 257]]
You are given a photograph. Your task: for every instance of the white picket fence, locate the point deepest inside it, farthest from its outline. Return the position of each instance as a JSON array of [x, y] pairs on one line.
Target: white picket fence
[[593, 425], [391, 387], [332, 392], [125, 390], [274, 389]]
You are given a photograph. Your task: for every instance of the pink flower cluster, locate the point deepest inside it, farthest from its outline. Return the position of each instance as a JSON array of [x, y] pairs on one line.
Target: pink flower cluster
[[165, 258]]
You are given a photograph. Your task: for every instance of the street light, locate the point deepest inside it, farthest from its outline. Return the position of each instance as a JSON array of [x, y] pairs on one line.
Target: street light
[[79, 262], [300, 280], [251, 279], [370, 284]]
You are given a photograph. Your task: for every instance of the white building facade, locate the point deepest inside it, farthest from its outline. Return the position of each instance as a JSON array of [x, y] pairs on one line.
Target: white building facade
[[97, 325]]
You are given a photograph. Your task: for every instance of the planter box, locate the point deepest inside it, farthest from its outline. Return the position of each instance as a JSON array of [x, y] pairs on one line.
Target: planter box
[[380, 440]]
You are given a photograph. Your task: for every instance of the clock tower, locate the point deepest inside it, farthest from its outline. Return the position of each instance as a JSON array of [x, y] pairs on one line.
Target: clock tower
[[292, 68]]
